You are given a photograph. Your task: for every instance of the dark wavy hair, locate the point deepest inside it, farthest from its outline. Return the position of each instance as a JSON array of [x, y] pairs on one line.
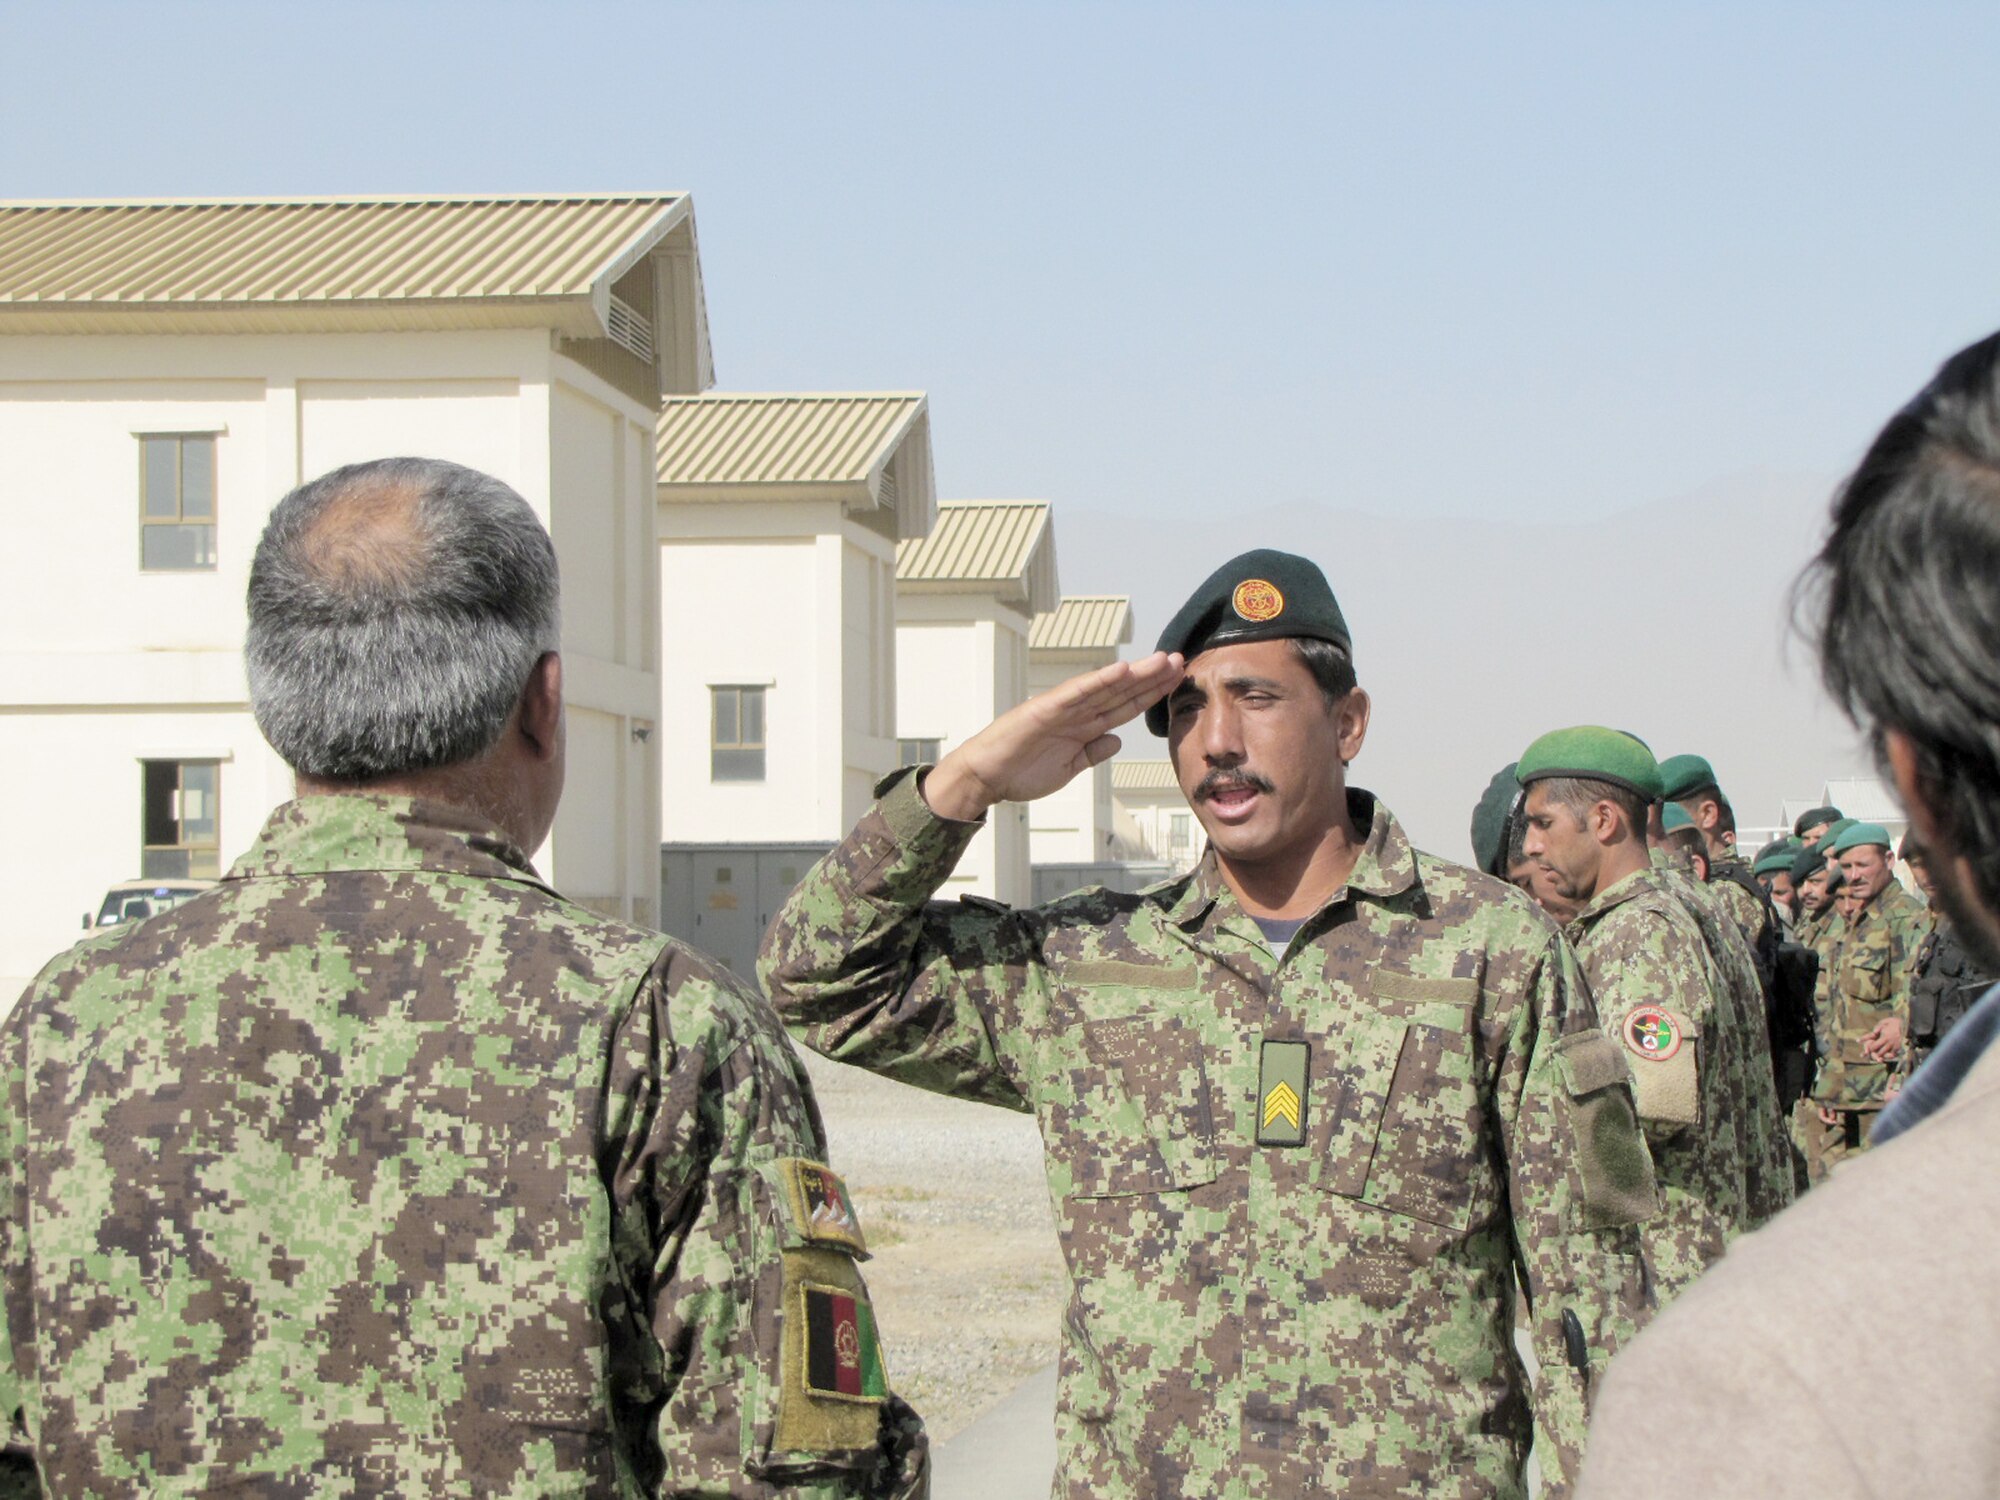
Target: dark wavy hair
[[1903, 600]]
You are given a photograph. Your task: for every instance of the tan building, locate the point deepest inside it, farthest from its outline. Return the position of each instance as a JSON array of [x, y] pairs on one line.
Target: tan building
[[1081, 634], [779, 519], [966, 597], [1152, 820], [169, 369]]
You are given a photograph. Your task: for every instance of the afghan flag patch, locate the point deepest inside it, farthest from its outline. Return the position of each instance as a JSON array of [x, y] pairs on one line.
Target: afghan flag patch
[[821, 1209], [843, 1355]]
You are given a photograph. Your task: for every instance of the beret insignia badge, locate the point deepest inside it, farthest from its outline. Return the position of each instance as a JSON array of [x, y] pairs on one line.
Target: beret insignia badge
[[1257, 600], [1652, 1034]]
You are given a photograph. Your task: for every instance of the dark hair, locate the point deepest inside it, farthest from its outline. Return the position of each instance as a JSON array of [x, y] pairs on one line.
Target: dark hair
[[396, 610], [1581, 793], [1332, 668], [1903, 600]]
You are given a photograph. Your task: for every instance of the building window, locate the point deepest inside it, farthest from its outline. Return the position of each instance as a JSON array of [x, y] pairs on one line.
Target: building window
[[736, 734], [177, 502], [180, 822], [1180, 835], [917, 752]]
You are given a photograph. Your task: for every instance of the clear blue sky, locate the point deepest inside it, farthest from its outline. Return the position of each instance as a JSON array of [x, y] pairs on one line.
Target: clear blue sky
[[1532, 263], [1522, 260]]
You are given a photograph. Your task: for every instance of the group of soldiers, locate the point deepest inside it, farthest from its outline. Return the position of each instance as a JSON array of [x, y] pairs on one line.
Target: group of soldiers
[[382, 1168], [1852, 979]]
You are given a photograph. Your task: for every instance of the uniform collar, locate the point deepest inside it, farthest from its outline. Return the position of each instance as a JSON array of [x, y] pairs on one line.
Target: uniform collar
[[1386, 867], [1639, 882], [314, 835]]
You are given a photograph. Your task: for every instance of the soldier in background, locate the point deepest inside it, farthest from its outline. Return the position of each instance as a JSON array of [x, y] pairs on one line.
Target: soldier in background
[[1312, 1112], [1950, 976], [1773, 869], [1697, 1047], [1817, 881], [1683, 842], [1811, 826], [1497, 833], [380, 1168]]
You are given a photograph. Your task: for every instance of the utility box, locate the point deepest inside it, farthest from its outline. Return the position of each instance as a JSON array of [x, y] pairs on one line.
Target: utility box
[[721, 897]]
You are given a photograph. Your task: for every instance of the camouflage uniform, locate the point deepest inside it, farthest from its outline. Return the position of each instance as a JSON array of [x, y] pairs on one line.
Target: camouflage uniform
[[1701, 1067], [1748, 911], [1332, 1314], [1948, 981], [1770, 1138], [382, 1168], [1868, 962]]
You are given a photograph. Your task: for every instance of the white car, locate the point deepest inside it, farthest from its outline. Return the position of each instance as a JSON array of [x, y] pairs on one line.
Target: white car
[[136, 900]]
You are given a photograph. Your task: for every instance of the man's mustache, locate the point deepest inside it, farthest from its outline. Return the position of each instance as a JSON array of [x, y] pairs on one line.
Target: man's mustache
[[1228, 781]]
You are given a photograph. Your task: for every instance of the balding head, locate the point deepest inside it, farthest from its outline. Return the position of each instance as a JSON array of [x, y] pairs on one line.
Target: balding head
[[397, 610]]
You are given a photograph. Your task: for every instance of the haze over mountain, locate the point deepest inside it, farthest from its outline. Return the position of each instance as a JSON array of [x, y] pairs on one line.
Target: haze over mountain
[[1473, 636]]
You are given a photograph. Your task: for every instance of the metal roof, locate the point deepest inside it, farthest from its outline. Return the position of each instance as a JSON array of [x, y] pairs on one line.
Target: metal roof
[[1086, 622], [501, 260], [862, 448], [1143, 776], [1004, 547]]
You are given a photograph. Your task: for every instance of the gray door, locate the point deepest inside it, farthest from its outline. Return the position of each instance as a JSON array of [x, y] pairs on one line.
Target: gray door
[[721, 899]]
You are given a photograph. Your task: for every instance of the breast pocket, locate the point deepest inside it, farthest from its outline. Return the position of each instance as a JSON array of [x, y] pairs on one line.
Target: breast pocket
[[1407, 1132], [1130, 1112]]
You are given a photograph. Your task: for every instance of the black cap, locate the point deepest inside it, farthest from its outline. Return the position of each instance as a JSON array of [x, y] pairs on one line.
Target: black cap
[[1492, 818], [1260, 596]]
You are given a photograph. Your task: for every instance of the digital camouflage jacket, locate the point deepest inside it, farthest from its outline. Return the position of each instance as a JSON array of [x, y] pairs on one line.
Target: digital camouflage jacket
[[1874, 960], [1294, 1193], [1700, 1056], [381, 1168]]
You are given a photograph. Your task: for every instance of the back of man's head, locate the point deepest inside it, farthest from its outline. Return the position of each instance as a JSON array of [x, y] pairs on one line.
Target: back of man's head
[[397, 609], [1904, 599]]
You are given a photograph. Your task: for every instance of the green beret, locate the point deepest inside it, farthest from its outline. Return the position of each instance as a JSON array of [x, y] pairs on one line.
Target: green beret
[[1833, 831], [1809, 862], [1777, 857], [1674, 817], [1593, 752], [1490, 818], [1856, 835], [1260, 596], [1817, 815], [1684, 775]]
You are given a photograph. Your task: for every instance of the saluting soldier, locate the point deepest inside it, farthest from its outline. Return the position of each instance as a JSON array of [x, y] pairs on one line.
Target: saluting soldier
[[1308, 1110], [1868, 996], [1697, 1046]]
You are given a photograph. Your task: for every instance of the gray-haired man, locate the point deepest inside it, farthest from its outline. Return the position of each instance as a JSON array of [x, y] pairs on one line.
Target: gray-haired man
[[383, 1169]]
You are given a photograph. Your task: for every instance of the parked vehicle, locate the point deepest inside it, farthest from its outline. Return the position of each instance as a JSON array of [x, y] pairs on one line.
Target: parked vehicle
[[136, 900]]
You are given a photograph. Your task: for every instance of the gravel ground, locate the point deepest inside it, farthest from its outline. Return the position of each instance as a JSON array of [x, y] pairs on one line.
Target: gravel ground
[[966, 1276]]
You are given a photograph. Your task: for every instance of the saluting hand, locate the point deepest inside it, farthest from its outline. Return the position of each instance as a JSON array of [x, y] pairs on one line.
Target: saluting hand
[[1034, 749]]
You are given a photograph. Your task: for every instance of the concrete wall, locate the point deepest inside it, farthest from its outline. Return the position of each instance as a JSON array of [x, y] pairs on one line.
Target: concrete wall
[[103, 665], [962, 660], [1073, 826], [799, 599]]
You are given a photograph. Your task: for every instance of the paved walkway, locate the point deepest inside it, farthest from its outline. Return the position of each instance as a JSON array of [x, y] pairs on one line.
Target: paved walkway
[[1008, 1454]]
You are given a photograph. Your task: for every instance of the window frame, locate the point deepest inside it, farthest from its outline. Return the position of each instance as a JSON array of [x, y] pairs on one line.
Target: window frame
[[202, 859], [935, 741], [180, 518], [717, 746]]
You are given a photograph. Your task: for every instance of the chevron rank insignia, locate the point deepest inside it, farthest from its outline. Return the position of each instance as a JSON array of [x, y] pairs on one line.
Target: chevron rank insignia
[[1284, 1070]]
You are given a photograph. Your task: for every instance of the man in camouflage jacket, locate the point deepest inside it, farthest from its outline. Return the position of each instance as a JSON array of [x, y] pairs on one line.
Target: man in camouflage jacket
[[1309, 1122], [1696, 1044], [381, 1168]]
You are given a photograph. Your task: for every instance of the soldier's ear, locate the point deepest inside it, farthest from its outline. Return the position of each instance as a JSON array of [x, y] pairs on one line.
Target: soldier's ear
[[540, 711]]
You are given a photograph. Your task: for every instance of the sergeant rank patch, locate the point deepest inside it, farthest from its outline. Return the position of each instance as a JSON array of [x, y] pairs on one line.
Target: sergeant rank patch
[[821, 1209], [1257, 599], [843, 1356], [1284, 1070]]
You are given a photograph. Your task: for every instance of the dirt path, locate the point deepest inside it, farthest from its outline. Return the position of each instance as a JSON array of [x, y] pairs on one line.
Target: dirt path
[[966, 1276]]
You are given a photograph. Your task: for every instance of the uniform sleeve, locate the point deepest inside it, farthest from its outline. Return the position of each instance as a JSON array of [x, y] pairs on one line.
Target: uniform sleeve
[[1579, 1182], [18, 1374], [706, 1111], [865, 968]]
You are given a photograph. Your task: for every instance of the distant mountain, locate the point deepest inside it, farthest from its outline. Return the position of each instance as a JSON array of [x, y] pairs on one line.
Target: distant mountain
[[1474, 635]]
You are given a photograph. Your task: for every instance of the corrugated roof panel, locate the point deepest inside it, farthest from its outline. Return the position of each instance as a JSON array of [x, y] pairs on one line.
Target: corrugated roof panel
[[1095, 622], [1143, 776], [976, 541], [146, 253], [758, 439]]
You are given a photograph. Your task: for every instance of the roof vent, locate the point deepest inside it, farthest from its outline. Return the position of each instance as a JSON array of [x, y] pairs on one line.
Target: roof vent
[[631, 330]]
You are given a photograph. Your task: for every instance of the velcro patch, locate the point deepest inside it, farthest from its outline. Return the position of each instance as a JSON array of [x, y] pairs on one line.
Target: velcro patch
[[843, 1356], [1284, 1075], [820, 1208], [1666, 1081]]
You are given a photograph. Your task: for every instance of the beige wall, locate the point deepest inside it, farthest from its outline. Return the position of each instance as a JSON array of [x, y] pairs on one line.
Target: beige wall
[[102, 665]]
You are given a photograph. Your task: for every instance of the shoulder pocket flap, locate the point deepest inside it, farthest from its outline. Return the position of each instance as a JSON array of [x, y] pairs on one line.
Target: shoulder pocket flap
[[1589, 1061], [817, 1207], [1139, 976]]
